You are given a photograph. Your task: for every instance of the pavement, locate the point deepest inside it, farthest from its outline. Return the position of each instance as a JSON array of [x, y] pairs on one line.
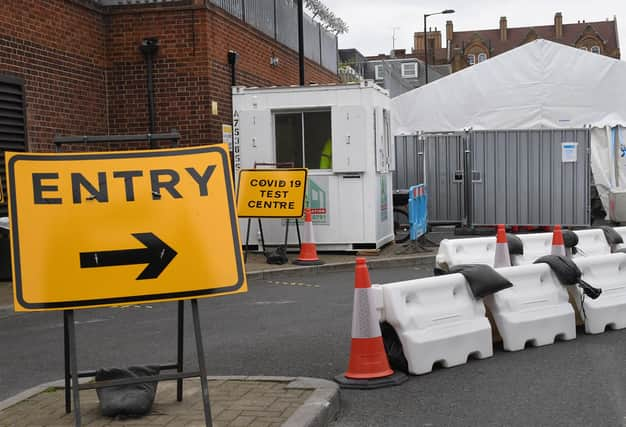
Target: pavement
[[235, 401], [392, 255]]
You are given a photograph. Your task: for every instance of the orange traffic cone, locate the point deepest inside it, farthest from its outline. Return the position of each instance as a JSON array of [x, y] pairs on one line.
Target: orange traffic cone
[[558, 246], [308, 249], [502, 258], [368, 366]]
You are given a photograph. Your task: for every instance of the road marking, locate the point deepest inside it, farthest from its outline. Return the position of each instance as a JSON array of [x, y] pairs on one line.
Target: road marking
[[273, 302], [304, 285], [86, 322], [123, 307]]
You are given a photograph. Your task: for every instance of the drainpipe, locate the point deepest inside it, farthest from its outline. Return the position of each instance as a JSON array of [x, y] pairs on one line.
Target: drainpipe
[[149, 48], [301, 40]]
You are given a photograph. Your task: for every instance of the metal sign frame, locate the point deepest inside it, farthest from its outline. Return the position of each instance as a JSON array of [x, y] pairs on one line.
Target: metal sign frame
[[72, 388]]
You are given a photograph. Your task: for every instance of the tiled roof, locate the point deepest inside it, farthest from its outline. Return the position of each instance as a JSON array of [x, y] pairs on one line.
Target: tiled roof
[[517, 36], [397, 56]]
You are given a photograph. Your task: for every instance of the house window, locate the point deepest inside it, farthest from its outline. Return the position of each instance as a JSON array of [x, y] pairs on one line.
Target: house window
[[304, 139], [595, 49], [378, 72], [471, 59], [482, 57], [409, 70]]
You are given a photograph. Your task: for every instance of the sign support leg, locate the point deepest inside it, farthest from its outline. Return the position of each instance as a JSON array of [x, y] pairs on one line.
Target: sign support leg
[[298, 232], [73, 366], [66, 355], [262, 237], [201, 363], [179, 361], [286, 233], [245, 254]]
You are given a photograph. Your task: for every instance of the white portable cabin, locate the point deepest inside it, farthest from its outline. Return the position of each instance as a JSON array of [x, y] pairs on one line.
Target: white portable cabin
[[351, 199]]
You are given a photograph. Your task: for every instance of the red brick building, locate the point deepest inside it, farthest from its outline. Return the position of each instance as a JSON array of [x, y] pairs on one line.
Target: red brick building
[[465, 48], [76, 67], [73, 67]]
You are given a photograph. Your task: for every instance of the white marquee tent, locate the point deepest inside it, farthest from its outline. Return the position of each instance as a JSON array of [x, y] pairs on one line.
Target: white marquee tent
[[538, 85]]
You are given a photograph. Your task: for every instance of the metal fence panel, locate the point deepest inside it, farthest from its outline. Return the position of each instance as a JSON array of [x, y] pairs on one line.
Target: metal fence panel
[[519, 178], [234, 7], [311, 39], [287, 23], [329, 51], [260, 14], [409, 162]]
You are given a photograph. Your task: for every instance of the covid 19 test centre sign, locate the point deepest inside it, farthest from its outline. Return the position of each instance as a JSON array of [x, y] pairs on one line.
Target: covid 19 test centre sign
[[271, 193]]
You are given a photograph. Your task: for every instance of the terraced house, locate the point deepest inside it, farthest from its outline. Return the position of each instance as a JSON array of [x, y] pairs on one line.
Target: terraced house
[[466, 48]]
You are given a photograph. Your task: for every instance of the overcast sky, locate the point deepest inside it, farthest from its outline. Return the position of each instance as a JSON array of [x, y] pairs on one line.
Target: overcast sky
[[371, 22]]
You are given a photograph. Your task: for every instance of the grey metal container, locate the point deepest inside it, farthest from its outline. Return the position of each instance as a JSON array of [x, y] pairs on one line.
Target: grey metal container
[[515, 177]]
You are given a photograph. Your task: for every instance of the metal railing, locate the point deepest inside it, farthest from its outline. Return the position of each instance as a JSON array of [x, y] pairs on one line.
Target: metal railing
[[278, 20]]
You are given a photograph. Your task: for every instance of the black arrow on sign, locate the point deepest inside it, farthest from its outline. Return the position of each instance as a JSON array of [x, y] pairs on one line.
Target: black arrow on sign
[[156, 254]]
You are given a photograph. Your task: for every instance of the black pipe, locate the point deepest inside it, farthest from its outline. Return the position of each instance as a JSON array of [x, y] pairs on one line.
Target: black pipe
[[173, 135], [232, 61], [149, 47], [301, 40]]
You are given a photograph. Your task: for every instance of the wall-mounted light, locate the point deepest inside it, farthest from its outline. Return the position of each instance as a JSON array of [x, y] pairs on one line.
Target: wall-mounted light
[[232, 61], [274, 60]]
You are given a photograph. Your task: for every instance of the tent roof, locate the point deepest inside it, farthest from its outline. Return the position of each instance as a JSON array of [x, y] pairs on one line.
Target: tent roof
[[538, 85]]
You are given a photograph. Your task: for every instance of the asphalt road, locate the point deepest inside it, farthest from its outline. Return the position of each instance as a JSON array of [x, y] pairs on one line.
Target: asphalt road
[[300, 326]]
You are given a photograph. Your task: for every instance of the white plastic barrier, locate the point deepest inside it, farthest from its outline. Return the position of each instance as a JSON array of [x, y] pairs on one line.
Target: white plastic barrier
[[377, 297], [536, 309], [622, 232], [591, 243], [536, 245], [437, 320], [609, 273], [477, 250]]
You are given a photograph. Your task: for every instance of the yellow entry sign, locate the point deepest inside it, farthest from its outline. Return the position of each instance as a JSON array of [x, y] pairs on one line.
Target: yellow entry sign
[[98, 229], [271, 193]]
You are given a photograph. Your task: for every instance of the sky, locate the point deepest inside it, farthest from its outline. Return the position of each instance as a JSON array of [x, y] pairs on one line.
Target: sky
[[372, 22]]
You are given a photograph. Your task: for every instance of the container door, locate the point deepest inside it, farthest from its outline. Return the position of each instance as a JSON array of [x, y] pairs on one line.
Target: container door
[[444, 177], [350, 140]]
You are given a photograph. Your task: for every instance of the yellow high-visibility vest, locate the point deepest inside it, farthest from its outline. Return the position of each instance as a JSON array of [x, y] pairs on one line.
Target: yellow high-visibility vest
[[326, 159]]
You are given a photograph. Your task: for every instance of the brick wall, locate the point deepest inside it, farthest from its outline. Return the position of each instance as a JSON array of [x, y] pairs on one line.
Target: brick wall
[[191, 69], [84, 73], [181, 72], [57, 48]]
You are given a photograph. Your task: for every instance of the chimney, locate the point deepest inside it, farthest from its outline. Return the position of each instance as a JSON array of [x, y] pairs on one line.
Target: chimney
[[449, 32], [398, 53], [503, 30], [558, 25]]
